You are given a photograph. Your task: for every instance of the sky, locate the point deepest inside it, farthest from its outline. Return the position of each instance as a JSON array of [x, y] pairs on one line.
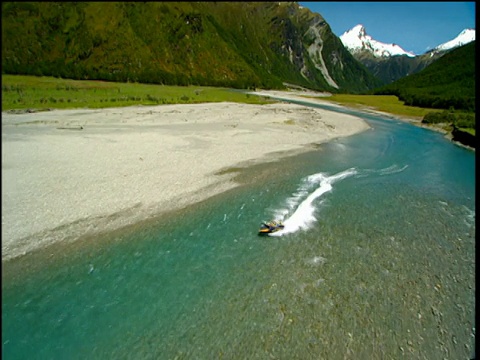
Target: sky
[[414, 26]]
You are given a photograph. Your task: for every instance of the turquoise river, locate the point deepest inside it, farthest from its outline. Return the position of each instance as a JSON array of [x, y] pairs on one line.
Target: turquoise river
[[377, 261]]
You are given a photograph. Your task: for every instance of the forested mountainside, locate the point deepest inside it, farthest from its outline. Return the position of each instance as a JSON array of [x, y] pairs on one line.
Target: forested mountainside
[[232, 44], [447, 83], [393, 68]]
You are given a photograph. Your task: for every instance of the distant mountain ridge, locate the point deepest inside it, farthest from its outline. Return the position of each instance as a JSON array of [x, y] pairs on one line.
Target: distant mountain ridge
[[465, 37], [389, 62], [231, 44], [356, 40]]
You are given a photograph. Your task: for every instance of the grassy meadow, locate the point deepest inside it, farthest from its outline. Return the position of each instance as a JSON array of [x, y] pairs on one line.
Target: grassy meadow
[[32, 92], [392, 105], [386, 103], [21, 92]]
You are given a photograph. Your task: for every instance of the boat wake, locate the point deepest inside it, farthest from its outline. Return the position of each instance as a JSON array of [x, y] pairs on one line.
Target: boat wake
[[393, 169], [300, 209], [300, 204]]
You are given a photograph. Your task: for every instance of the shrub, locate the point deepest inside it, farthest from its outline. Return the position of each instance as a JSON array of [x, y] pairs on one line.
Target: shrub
[[152, 98], [456, 118]]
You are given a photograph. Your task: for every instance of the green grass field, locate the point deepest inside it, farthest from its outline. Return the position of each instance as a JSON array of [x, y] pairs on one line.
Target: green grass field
[[385, 103], [389, 104], [39, 93], [31, 92]]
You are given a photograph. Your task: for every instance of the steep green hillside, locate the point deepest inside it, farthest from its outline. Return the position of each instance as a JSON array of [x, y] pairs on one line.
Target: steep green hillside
[[234, 44], [394, 68], [446, 83]]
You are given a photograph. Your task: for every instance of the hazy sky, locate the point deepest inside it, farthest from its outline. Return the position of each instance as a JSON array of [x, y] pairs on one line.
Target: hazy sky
[[414, 26]]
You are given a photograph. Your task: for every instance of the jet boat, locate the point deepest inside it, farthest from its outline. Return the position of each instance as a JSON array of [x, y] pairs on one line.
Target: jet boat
[[270, 227]]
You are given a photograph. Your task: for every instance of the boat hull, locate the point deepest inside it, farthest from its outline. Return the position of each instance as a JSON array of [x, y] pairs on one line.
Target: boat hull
[[268, 228]]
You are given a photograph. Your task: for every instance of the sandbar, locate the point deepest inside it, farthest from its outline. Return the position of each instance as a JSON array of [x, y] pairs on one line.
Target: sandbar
[[70, 173]]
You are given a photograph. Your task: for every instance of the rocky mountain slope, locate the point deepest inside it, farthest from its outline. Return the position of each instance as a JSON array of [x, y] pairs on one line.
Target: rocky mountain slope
[[232, 44], [358, 41]]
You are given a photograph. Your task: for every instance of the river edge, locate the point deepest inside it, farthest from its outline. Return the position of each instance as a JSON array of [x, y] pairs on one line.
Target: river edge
[[61, 254], [322, 98], [418, 122], [60, 185]]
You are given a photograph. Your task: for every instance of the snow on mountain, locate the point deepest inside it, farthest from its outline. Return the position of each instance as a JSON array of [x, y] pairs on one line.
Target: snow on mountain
[[356, 40], [466, 36]]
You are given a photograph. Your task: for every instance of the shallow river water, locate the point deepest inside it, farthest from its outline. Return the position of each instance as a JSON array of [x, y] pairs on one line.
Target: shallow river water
[[377, 261]]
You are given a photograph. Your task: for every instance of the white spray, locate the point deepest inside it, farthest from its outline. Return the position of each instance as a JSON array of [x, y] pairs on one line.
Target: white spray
[[303, 217]]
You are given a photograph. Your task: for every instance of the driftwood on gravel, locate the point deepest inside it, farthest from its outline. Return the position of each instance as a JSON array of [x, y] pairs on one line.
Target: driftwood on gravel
[[70, 128]]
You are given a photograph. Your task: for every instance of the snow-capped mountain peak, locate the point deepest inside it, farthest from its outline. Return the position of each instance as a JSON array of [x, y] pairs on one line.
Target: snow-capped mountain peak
[[466, 36], [356, 40]]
